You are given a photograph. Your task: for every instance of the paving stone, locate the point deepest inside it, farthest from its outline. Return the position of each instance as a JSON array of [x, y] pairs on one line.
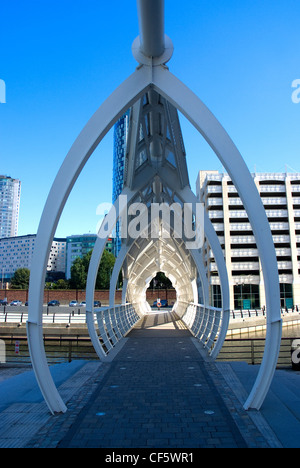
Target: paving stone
[[158, 398]]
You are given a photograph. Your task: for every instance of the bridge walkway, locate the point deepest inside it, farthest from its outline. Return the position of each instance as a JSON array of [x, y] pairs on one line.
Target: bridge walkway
[[159, 392]]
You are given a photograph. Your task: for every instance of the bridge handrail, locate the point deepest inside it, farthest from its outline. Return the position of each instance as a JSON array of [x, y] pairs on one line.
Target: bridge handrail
[[114, 323], [206, 323]]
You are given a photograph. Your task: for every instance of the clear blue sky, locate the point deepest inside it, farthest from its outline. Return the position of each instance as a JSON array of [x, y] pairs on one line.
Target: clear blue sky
[[61, 59]]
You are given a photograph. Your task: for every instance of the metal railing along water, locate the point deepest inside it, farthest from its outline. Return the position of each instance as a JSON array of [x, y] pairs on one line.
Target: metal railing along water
[[65, 348]]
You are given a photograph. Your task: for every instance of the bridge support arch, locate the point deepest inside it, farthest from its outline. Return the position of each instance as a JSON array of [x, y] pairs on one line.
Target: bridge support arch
[[153, 75]]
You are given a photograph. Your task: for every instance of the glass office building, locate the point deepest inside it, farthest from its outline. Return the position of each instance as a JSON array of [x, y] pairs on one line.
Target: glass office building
[[120, 147]]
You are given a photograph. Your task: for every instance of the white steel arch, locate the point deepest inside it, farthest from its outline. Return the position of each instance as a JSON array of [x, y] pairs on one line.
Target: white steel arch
[[152, 73]]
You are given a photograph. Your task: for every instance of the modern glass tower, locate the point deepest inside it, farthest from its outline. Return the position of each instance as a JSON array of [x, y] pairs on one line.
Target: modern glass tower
[[10, 191], [120, 146]]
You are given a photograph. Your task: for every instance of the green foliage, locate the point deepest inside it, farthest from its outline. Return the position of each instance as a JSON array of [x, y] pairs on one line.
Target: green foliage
[[61, 284], [161, 282], [78, 274], [20, 280], [79, 271]]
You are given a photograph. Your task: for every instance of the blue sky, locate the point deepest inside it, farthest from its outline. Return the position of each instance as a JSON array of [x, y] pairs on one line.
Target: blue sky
[[61, 59]]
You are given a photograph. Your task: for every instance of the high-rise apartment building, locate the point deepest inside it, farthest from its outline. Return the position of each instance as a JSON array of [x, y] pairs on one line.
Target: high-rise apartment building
[[280, 194], [10, 191]]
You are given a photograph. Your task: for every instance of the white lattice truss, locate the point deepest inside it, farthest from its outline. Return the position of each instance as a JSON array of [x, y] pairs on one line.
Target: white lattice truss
[[156, 172]]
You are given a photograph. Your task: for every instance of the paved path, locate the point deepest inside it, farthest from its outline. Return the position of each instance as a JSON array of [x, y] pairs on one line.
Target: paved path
[[158, 392]]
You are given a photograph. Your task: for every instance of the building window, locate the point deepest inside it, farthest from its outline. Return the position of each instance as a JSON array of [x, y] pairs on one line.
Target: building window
[[246, 296], [286, 295], [217, 296]]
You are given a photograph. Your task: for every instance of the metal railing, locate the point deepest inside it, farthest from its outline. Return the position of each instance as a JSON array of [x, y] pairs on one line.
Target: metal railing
[[51, 315], [114, 324], [203, 322], [58, 349], [66, 315], [251, 313], [251, 351], [65, 348]]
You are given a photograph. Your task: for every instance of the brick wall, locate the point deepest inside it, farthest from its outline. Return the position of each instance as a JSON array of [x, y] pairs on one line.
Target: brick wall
[[65, 296]]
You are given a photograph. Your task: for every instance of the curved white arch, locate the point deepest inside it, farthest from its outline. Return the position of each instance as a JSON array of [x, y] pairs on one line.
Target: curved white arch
[[205, 122], [121, 258], [88, 140], [187, 196], [197, 113]]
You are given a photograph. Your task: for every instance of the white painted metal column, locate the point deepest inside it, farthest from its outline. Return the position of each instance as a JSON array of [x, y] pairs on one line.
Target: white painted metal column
[[151, 15]]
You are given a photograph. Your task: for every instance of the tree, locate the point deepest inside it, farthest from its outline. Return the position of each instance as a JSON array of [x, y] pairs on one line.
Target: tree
[[61, 284], [78, 274], [79, 271], [105, 270], [20, 280], [161, 282]]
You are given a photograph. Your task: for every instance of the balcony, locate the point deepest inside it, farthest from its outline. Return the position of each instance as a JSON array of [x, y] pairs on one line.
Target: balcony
[[285, 265], [240, 227], [216, 214], [284, 278], [219, 227], [247, 279], [238, 214], [282, 239], [272, 189], [277, 213], [214, 177], [284, 252], [235, 202], [249, 266], [215, 202], [214, 280], [214, 189], [235, 253], [274, 201], [279, 226], [272, 176], [242, 240]]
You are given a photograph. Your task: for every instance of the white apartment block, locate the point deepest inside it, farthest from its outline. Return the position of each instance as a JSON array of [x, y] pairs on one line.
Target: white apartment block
[[10, 192], [17, 252], [280, 194]]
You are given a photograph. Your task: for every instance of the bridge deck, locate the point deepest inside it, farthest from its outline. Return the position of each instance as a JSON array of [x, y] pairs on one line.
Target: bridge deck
[[158, 392]]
